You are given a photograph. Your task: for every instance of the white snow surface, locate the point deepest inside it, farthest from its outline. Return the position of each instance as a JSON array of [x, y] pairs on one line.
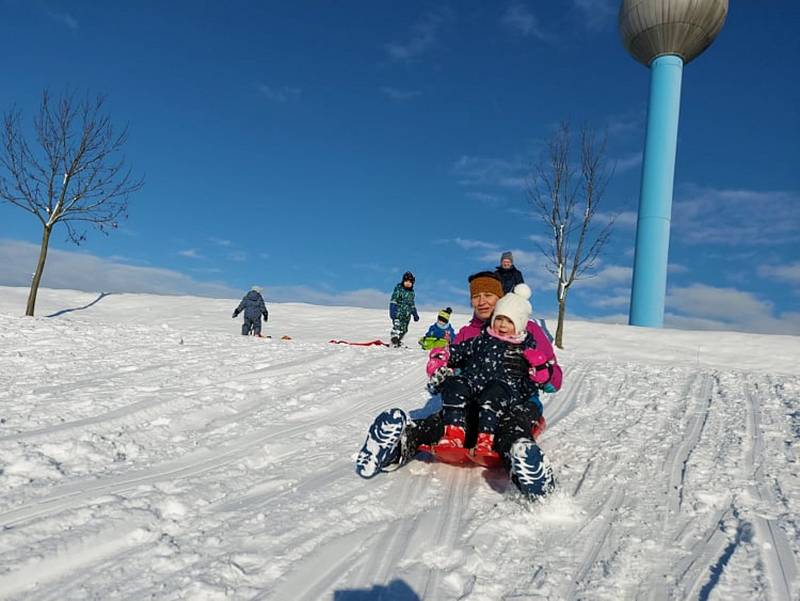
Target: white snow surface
[[148, 451]]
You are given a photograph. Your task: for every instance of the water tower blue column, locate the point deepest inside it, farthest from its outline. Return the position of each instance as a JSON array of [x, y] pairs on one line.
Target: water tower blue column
[[655, 199], [664, 35]]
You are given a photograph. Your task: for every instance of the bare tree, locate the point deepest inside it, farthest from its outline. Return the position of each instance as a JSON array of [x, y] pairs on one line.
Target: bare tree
[[566, 195], [68, 169]]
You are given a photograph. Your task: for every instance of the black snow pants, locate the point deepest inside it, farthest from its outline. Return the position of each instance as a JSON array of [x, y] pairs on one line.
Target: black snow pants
[[251, 324], [514, 421]]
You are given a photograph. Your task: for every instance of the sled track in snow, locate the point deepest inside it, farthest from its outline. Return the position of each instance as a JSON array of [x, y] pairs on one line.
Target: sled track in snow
[[82, 492], [780, 562], [678, 458], [699, 548], [357, 559], [568, 397], [79, 492], [146, 409], [85, 556], [602, 529], [447, 519]]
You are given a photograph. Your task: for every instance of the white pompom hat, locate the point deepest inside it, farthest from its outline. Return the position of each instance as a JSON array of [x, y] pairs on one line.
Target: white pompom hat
[[516, 306]]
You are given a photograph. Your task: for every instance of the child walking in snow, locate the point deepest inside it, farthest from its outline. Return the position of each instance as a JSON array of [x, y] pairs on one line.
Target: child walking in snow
[[501, 367], [439, 334], [253, 306], [402, 308]]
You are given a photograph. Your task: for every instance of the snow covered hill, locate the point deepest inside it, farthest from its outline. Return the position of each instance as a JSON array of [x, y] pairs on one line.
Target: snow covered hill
[[147, 451]]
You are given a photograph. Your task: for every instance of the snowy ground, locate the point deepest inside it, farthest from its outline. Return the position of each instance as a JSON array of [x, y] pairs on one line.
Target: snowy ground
[[147, 451]]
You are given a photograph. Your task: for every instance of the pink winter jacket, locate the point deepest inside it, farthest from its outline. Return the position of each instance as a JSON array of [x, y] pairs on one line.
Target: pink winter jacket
[[473, 328]]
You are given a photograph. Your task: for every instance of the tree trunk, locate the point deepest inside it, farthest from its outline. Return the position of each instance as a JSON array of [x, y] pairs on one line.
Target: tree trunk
[[37, 276], [562, 310]]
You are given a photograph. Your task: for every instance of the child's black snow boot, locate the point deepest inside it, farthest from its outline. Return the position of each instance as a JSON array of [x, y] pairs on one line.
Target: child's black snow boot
[[530, 470], [382, 446]]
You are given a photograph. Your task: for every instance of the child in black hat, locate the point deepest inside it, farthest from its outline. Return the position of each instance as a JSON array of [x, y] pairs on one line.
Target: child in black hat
[[402, 308]]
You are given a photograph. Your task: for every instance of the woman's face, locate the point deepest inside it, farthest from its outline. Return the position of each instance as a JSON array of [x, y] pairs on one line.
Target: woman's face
[[483, 304]]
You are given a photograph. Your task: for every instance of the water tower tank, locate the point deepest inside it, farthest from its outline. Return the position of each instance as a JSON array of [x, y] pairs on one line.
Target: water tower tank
[[653, 28]]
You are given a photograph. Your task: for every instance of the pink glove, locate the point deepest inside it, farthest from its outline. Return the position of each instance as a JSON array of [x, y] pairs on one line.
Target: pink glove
[[539, 371], [437, 358]]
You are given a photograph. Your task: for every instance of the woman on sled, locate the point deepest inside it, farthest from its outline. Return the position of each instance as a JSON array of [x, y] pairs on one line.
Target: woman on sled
[[513, 420]]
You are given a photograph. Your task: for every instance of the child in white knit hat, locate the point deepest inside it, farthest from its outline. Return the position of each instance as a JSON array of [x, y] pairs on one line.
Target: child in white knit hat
[[500, 367]]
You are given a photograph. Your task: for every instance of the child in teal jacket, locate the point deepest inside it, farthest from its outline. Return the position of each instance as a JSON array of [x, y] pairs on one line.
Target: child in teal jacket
[[402, 308]]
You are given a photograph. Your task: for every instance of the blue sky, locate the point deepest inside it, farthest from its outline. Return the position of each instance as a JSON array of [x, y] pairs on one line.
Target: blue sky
[[321, 149]]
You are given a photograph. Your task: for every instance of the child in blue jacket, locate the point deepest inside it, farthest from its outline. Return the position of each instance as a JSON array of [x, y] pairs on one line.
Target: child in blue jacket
[[439, 334]]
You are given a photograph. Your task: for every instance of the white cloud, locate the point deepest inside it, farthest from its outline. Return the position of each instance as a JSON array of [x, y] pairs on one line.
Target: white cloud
[[628, 162], [237, 255], [520, 19], [470, 244], [736, 217], [367, 297], [784, 273], [489, 199], [82, 271], [620, 300], [220, 242], [190, 253], [424, 36], [596, 14], [124, 259], [65, 19], [370, 267], [607, 277], [480, 171], [626, 124], [706, 307], [396, 94], [677, 268], [623, 218], [279, 93], [539, 239]]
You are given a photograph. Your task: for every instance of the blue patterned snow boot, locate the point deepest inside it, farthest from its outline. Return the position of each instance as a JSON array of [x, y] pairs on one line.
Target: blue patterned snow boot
[[530, 470], [382, 447]]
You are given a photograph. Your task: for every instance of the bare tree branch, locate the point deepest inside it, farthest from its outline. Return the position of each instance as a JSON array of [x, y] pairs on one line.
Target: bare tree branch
[[567, 199], [76, 173]]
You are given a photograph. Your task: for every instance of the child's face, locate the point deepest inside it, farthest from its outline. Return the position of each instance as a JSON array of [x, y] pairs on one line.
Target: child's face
[[407, 284], [504, 326], [441, 324]]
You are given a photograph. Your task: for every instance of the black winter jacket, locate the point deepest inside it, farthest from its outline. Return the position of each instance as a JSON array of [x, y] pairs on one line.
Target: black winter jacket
[[253, 305], [509, 277], [485, 358]]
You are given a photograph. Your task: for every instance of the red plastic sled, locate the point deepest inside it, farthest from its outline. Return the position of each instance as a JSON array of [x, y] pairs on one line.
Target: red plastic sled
[[370, 343], [489, 461], [456, 456], [451, 455]]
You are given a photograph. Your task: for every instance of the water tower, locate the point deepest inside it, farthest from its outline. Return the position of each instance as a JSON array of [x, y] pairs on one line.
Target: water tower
[[663, 35]]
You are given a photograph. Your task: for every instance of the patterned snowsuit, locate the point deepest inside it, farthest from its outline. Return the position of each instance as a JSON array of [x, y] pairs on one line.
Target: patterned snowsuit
[[403, 302], [491, 370], [513, 425]]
